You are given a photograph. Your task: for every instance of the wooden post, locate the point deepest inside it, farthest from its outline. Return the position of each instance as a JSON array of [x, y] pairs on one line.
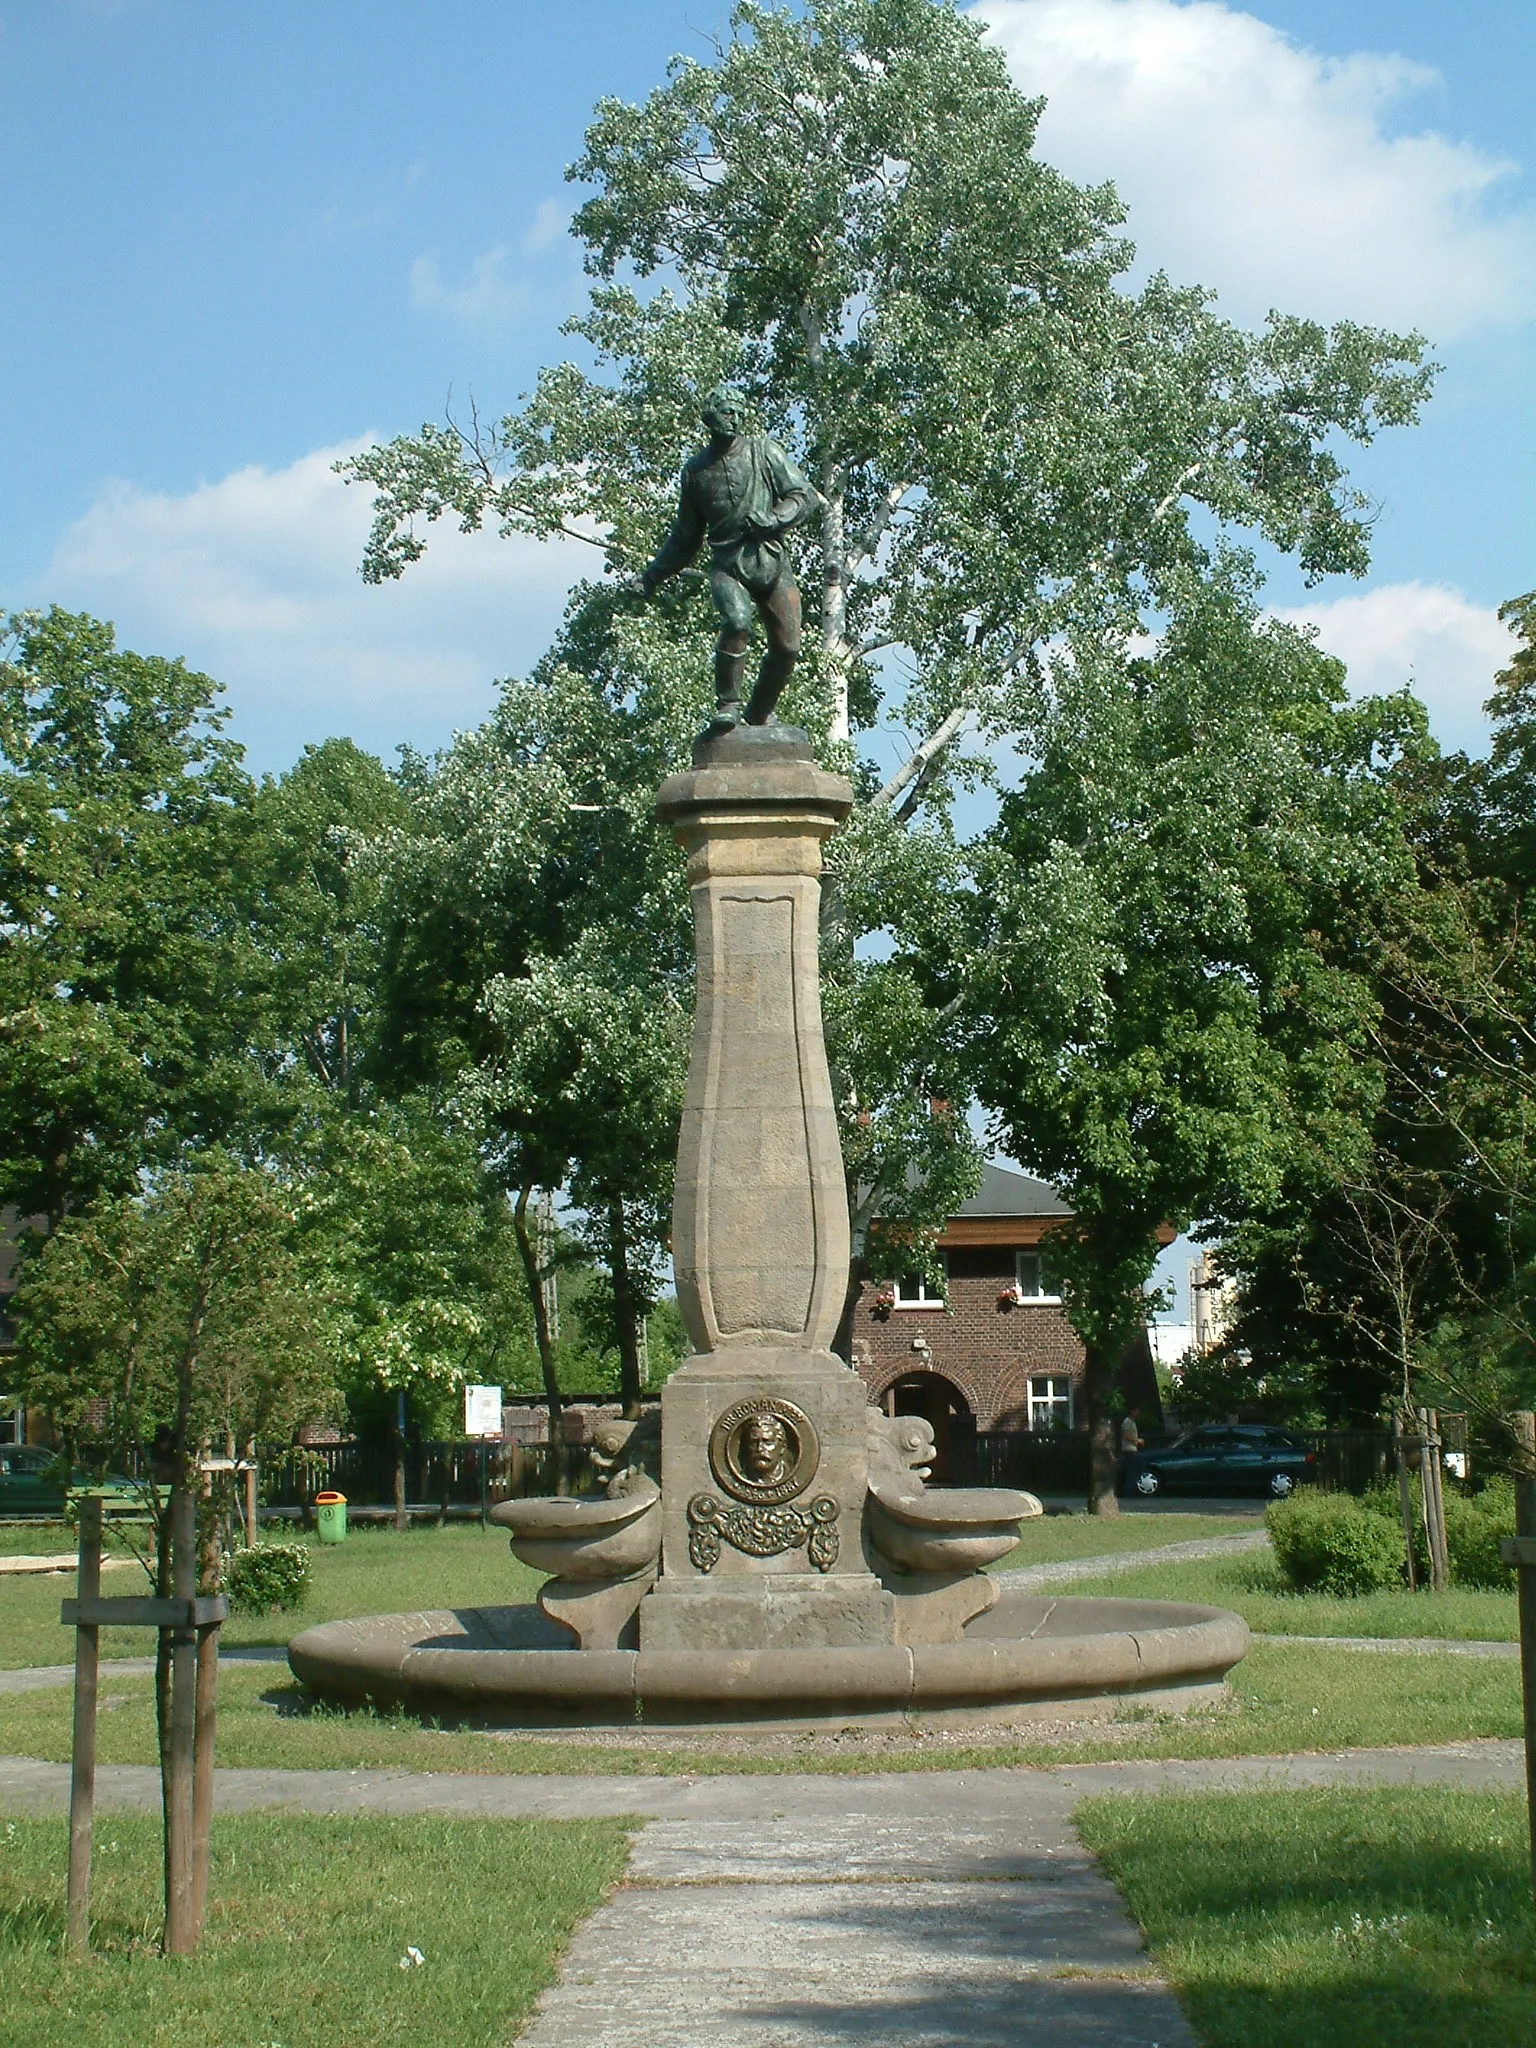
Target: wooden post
[[82, 1764], [203, 1732], [180, 1934], [1404, 1495], [250, 1493], [1433, 1499], [1436, 1448], [1525, 1528]]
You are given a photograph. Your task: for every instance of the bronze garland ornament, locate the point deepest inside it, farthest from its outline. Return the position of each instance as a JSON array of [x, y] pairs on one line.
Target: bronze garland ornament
[[761, 1531], [764, 1451]]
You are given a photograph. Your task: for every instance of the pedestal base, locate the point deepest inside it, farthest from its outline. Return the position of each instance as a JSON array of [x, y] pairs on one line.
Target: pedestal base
[[787, 1611]]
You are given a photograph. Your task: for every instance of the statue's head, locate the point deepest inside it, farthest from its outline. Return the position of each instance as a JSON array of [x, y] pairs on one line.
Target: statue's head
[[765, 1450], [723, 410]]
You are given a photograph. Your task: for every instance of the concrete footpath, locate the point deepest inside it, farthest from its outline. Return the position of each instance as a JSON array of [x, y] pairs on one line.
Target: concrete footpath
[[1066, 1571], [951, 1909]]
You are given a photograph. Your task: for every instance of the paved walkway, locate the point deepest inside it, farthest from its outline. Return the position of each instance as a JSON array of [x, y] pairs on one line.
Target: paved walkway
[[904, 1910], [1063, 1572], [40, 1677], [1408, 1646], [55, 1563]]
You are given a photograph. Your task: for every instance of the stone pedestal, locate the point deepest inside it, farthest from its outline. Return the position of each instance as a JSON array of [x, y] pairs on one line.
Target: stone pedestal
[[764, 1458]]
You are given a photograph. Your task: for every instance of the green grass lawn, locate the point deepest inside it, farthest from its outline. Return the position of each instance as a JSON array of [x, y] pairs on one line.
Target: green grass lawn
[[1281, 1700], [1388, 1918], [308, 1922], [376, 1571], [1051, 1539], [34, 1539], [1251, 1585]]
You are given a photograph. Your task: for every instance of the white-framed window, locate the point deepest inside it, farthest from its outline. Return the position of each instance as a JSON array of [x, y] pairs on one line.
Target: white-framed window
[[1036, 1281], [913, 1291], [1050, 1401]]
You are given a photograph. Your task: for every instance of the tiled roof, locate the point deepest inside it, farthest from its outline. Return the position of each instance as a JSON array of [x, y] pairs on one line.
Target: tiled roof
[[1006, 1192]]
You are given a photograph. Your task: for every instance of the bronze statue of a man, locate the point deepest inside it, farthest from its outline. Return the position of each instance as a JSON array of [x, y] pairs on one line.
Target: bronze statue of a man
[[745, 494]]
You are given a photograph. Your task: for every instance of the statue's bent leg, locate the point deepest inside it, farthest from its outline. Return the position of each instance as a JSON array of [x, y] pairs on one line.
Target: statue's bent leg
[[780, 611], [734, 605]]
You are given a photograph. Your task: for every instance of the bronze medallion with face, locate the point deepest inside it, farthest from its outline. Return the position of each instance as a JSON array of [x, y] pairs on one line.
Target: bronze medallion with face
[[764, 1450]]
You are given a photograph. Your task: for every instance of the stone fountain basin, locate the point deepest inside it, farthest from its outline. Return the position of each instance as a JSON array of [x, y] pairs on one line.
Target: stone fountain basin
[[511, 1667]]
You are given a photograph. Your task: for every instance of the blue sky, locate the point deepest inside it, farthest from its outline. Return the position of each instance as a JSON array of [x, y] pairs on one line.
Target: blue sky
[[236, 240]]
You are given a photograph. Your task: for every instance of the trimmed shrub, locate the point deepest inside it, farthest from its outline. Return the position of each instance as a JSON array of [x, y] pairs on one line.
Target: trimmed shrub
[[1474, 1524], [273, 1575], [1384, 1500], [1474, 1527], [1330, 1543]]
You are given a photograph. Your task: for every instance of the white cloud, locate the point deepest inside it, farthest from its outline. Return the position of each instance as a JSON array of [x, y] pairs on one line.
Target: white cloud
[[255, 580], [1269, 171], [487, 300], [549, 224], [490, 297], [1420, 633]]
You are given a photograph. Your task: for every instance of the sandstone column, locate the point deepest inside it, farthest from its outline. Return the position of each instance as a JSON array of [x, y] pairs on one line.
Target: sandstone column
[[763, 1429]]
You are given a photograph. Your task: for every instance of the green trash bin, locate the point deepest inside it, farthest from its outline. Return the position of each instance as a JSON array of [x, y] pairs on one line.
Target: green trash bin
[[331, 1517]]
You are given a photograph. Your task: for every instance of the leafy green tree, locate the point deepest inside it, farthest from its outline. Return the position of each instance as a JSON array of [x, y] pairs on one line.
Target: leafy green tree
[[1011, 447], [414, 1239], [169, 1322], [1007, 442], [186, 1313], [1172, 1007], [1412, 1276], [130, 990], [536, 960], [316, 830]]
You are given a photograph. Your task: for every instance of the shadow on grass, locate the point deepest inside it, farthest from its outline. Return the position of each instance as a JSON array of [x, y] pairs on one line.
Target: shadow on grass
[[291, 1702], [39, 1924]]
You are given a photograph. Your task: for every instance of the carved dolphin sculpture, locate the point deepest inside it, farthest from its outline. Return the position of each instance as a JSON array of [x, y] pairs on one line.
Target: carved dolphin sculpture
[[929, 1547]]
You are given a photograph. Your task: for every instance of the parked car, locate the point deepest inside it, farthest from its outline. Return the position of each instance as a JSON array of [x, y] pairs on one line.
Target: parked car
[[32, 1480], [35, 1481], [1220, 1458]]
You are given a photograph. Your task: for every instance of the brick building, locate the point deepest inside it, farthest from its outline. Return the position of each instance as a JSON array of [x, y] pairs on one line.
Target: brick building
[[990, 1348]]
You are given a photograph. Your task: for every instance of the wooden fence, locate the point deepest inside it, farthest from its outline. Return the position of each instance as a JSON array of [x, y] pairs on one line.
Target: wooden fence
[[443, 1475]]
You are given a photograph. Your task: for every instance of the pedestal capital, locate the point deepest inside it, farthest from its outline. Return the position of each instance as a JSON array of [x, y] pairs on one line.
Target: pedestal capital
[[767, 816]]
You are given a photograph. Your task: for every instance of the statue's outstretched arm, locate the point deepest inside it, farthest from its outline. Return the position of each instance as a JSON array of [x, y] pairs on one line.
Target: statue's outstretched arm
[[680, 545]]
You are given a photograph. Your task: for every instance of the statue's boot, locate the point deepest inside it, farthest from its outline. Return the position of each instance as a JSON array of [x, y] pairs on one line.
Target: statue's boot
[[729, 671], [778, 666]]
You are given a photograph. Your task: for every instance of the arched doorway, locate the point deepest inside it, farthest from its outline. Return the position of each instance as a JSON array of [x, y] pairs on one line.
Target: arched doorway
[[940, 1402]]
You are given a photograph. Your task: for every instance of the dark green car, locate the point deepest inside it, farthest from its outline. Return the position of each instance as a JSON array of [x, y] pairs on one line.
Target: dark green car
[[1221, 1458], [33, 1480], [36, 1482]]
